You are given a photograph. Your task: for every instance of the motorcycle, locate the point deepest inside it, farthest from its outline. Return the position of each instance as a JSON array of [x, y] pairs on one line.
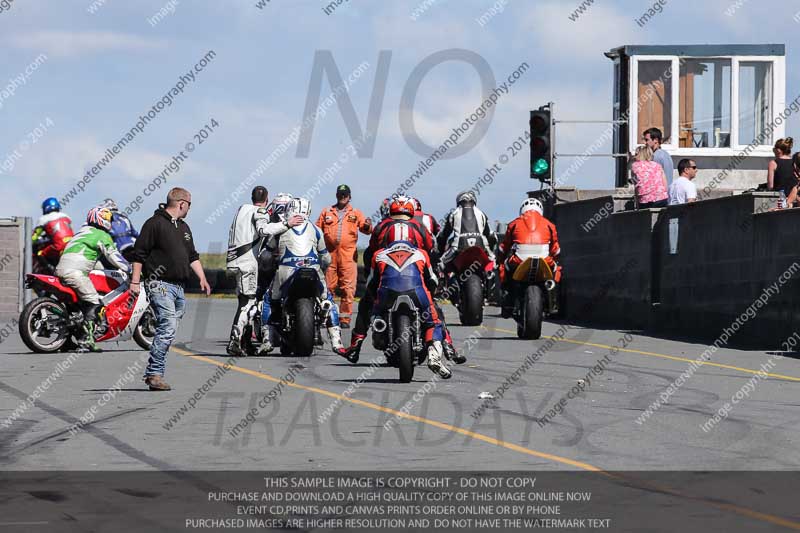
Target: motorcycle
[[398, 333], [54, 320], [298, 322], [41, 263], [533, 290], [471, 282]]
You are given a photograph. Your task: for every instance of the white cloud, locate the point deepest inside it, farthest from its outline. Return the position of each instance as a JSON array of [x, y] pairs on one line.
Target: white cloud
[[599, 29], [65, 43]]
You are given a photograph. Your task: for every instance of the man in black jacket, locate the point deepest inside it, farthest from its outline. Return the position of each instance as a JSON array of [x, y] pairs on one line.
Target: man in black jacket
[[165, 254]]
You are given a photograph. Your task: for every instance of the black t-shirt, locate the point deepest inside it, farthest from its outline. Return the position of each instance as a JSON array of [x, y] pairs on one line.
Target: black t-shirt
[[166, 249], [784, 179]]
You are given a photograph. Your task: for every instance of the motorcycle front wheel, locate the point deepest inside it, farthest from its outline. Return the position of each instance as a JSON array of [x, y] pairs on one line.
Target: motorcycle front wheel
[[145, 330]]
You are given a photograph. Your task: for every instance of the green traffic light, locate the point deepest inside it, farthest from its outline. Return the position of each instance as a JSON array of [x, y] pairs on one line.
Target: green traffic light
[[540, 166]]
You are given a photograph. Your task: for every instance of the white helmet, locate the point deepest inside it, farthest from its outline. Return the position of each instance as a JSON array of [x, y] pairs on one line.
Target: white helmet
[[279, 205], [299, 206], [531, 203]]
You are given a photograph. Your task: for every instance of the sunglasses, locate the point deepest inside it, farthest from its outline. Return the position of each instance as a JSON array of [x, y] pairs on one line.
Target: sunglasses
[[694, 167], [187, 201]]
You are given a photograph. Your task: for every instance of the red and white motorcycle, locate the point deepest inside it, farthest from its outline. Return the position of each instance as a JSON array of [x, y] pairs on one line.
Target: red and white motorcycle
[[52, 321]]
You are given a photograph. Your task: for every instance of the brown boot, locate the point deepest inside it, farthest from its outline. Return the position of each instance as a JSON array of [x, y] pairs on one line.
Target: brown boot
[[157, 383]]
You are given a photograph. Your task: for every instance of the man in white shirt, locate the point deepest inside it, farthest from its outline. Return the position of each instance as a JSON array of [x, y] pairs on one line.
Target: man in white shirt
[[682, 190]]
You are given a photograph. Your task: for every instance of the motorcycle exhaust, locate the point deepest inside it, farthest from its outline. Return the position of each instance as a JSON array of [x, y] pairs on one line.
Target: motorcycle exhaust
[[379, 325], [549, 284]]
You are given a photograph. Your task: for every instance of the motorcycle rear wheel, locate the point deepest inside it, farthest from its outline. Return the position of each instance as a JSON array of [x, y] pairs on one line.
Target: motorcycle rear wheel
[[35, 311], [304, 327], [404, 352], [530, 323], [472, 301]]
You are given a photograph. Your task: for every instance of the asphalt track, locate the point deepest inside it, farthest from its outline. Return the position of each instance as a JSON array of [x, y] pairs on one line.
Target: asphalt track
[[377, 423]]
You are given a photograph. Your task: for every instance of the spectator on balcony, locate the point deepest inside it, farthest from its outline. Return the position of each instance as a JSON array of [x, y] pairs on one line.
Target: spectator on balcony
[[791, 199], [682, 190], [653, 138], [780, 171], [649, 179]]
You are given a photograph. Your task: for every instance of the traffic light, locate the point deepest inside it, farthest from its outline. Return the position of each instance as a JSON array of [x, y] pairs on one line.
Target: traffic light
[[541, 152]]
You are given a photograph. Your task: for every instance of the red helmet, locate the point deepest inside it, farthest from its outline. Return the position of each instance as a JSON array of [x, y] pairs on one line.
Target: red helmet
[[402, 205]]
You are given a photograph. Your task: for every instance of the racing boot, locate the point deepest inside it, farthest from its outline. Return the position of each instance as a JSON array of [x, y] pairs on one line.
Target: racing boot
[[450, 352], [335, 333], [234, 348], [435, 360], [351, 354], [86, 342], [266, 343]]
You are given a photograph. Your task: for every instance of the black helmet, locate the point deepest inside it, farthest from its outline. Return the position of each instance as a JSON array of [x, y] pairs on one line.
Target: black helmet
[[466, 197]]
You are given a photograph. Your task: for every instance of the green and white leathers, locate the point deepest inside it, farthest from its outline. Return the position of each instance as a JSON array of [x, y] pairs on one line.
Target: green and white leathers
[[87, 247]]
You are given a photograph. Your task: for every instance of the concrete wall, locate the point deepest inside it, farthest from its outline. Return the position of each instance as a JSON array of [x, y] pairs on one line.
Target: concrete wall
[[12, 265], [727, 251], [606, 264]]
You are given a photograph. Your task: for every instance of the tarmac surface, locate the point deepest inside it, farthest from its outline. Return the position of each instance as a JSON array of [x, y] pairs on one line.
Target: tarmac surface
[[295, 427], [605, 402]]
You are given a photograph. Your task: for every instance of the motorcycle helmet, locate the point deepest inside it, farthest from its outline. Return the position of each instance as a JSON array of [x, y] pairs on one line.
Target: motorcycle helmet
[[100, 217], [402, 205], [466, 197], [531, 203], [417, 204], [50, 205], [384, 209], [279, 205], [108, 203], [299, 206]]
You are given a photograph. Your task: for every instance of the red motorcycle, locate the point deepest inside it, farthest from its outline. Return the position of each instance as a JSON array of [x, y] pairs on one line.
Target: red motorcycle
[[470, 283], [52, 321]]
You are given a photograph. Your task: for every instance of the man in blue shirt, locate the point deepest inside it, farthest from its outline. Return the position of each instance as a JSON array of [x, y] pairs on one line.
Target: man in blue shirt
[[653, 138]]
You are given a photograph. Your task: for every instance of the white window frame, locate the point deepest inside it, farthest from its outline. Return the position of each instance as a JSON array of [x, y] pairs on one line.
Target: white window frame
[[778, 104]]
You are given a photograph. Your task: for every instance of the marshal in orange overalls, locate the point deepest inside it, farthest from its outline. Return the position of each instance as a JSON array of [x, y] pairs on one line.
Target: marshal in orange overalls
[[340, 229]]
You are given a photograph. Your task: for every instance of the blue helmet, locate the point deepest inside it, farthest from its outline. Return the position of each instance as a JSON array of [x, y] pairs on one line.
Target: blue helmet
[[50, 205]]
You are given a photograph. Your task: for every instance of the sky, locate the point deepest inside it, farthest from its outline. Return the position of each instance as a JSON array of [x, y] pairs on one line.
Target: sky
[[101, 64]]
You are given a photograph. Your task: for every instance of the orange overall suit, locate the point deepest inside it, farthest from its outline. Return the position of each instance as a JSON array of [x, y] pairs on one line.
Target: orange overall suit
[[529, 228], [340, 229]]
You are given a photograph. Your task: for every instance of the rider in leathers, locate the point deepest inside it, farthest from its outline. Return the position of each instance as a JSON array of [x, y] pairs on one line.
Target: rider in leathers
[[250, 226], [468, 226], [534, 232], [51, 235], [303, 246]]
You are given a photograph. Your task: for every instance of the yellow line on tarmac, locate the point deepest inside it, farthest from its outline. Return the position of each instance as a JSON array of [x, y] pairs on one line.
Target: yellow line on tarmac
[[661, 355], [743, 511], [370, 405]]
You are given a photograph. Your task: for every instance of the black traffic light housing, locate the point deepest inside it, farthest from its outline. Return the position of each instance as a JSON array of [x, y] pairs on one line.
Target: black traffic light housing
[[541, 166]]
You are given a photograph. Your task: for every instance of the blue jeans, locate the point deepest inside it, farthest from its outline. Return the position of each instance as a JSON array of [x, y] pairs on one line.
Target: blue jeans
[[168, 303]]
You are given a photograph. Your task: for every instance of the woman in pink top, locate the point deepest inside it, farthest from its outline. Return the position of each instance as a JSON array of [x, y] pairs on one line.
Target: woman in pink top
[[650, 180]]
